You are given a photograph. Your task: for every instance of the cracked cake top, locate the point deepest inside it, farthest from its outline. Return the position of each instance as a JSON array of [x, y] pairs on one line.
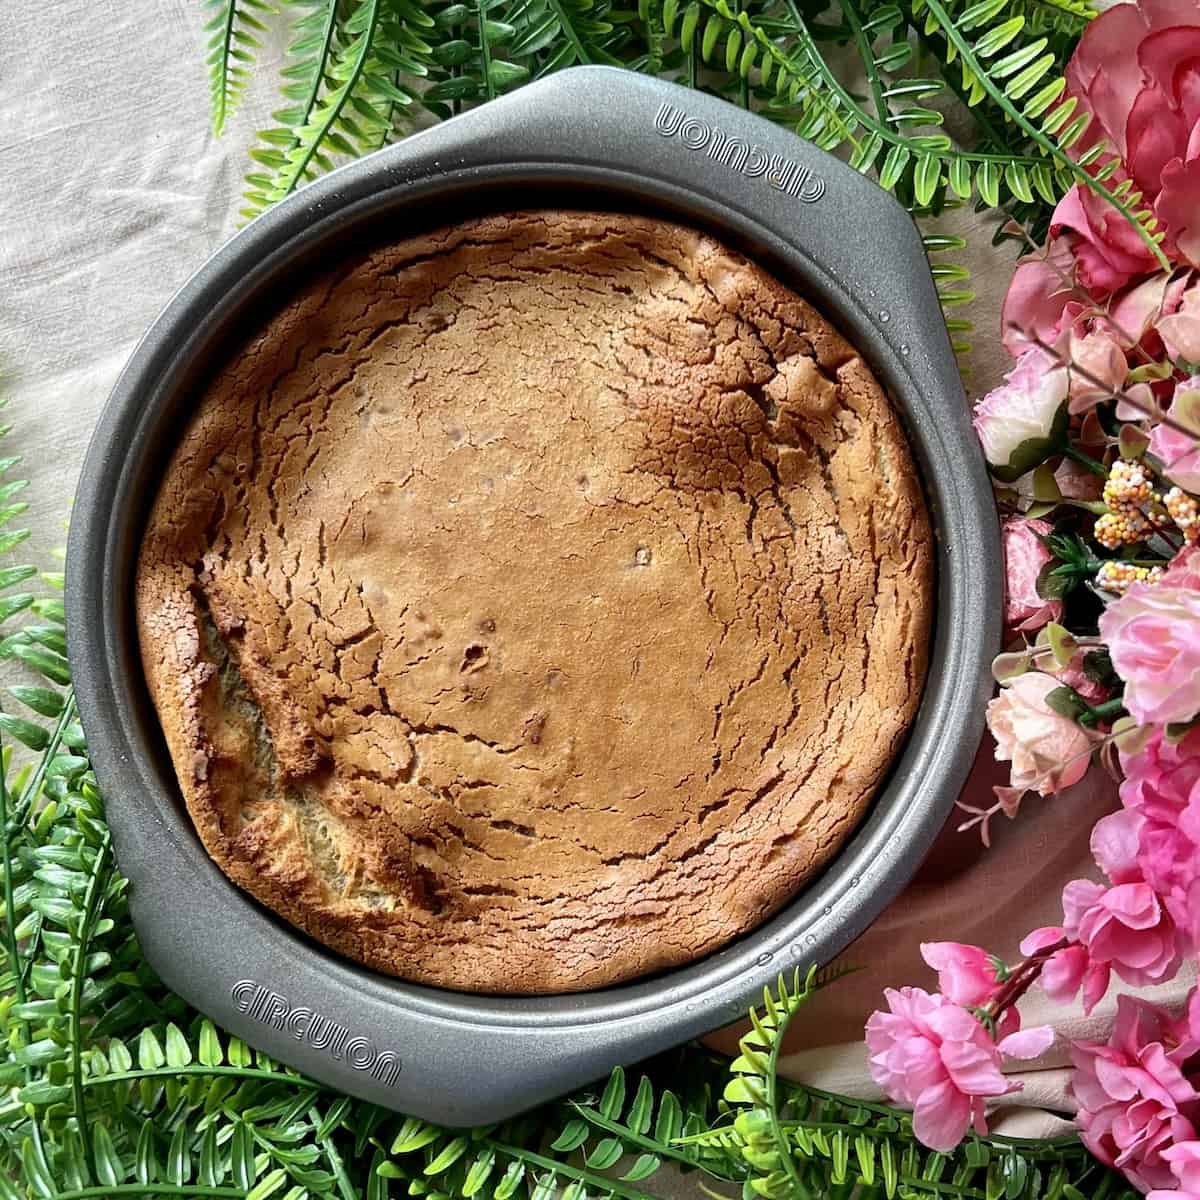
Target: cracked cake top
[[535, 603]]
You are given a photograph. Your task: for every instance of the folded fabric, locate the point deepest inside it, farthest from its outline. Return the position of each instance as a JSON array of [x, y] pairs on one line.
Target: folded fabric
[[988, 897]]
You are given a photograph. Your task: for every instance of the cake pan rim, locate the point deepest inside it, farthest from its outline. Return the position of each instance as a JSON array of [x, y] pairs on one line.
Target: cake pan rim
[[463, 1008]]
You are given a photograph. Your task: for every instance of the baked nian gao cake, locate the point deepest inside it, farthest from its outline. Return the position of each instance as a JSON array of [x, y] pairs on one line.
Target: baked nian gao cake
[[535, 603]]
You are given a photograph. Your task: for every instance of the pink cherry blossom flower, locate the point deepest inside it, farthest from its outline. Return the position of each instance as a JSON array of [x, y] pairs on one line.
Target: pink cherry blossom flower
[[1098, 368], [1153, 637], [966, 974], [1020, 421], [1048, 751], [1025, 555], [1068, 969], [1179, 451], [935, 1057], [1161, 793], [1124, 928], [1134, 1100]]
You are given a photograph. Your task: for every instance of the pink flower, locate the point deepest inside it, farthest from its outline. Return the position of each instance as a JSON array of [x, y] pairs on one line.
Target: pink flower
[[1137, 69], [1134, 1100], [1025, 555], [1048, 751], [1180, 330], [1098, 354], [1184, 1161], [1161, 794], [1153, 637], [1023, 419], [1179, 451], [1108, 251], [1040, 301], [1124, 928], [1139, 310], [1068, 969], [934, 1056], [966, 974]]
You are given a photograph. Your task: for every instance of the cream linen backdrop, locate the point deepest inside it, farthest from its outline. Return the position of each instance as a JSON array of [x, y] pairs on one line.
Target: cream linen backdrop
[[112, 191]]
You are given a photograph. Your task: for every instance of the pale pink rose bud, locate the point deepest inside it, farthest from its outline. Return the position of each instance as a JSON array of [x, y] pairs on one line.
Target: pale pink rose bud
[[1180, 331], [1025, 418], [1048, 751], [1178, 451]]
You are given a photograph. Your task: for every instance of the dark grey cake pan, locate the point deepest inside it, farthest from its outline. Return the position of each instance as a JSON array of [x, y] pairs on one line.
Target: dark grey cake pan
[[591, 137]]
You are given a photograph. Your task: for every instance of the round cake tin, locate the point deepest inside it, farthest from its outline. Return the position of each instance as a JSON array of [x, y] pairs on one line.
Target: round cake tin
[[591, 137]]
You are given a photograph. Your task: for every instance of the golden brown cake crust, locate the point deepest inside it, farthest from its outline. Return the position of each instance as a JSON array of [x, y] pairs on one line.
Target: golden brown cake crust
[[535, 603]]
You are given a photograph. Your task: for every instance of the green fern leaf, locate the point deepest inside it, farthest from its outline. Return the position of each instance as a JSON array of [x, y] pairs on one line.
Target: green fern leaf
[[231, 49]]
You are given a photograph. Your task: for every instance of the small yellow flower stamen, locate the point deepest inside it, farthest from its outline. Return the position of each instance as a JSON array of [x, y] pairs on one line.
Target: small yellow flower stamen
[[1116, 577]]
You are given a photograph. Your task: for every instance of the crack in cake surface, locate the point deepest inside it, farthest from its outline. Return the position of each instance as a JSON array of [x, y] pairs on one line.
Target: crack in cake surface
[[535, 603]]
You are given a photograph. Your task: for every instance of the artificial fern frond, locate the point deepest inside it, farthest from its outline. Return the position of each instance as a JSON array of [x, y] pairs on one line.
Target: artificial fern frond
[[233, 41], [352, 95], [1051, 135]]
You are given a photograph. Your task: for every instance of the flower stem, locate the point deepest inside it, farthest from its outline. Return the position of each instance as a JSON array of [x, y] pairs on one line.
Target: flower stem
[[1085, 460], [1101, 712], [1021, 979]]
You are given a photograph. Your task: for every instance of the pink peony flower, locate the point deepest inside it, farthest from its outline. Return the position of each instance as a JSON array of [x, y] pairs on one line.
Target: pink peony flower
[[1179, 452], [1023, 419], [1025, 555], [1134, 1100], [1184, 1161], [1137, 70], [934, 1056], [1153, 637], [966, 974], [1124, 928], [1107, 249], [1161, 794], [1048, 751], [1099, 354]]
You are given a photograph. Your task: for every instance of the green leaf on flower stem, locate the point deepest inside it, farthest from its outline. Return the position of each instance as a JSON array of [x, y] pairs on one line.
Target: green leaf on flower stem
[[1009, 666], [1097, 666], [1045, 486], [1129, 736], [1062, 644], [1133, 441], [1051, 585], [1033, 451], [1178, 730], [1150, 373], [1067, 702]]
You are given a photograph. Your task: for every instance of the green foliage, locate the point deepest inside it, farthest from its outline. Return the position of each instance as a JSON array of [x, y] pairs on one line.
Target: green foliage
[[360, 73], [233, 40]]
